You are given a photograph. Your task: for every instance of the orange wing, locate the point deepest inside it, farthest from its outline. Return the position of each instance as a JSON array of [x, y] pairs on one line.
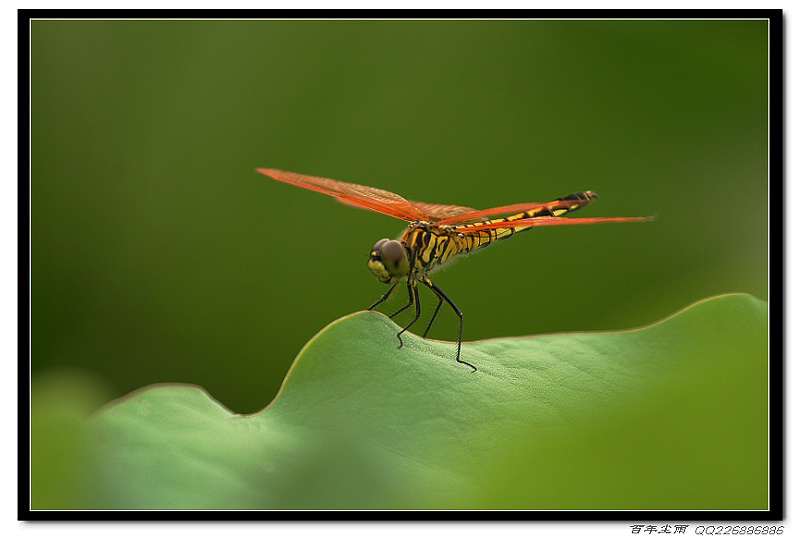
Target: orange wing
[[368, 198], [388, 203], [351, 194], [556, 221]]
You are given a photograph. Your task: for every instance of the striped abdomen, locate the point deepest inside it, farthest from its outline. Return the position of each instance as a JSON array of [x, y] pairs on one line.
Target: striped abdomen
[[433, 246], [482, 238]]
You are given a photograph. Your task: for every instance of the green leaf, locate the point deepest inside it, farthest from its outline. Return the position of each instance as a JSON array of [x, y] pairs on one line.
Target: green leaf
[[671, 416]]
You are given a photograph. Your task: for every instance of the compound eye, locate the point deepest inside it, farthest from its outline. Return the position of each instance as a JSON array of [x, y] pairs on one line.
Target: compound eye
[[394, 257], [377, 246], [391, 251]]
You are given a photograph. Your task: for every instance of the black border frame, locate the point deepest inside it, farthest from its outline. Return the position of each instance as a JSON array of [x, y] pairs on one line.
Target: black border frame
[[777, 454]]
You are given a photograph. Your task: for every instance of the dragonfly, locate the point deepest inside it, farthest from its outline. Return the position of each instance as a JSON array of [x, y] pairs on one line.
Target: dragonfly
[[439, 233]]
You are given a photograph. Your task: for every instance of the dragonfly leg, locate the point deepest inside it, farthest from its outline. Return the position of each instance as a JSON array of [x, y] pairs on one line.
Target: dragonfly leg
[[442, 295], [383, 297], [435, 312], [410, 299], [416, 316]]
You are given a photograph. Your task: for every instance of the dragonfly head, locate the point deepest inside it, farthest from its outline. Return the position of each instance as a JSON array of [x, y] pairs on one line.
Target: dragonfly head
[[388, 261]]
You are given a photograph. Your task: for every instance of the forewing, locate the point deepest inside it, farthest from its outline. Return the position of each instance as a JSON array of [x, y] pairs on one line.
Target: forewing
[[360, 196]]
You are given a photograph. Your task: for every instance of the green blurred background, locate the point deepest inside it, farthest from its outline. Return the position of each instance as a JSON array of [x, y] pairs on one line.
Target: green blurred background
[[159, 254]]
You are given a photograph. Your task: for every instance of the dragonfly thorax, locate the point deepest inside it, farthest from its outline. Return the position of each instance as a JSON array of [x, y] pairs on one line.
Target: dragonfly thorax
[[388, 261]]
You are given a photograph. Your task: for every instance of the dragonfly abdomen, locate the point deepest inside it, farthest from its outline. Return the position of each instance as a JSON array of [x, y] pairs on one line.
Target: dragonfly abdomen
[[554, 208], [470, 240], [433, 246]]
